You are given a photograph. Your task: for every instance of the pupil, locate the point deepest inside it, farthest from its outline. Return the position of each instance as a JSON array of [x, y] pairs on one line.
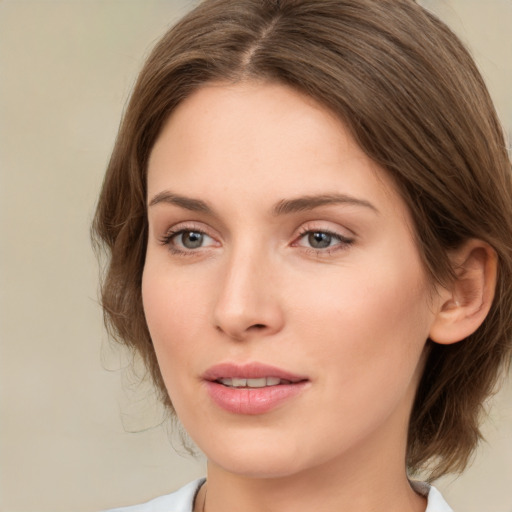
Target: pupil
[[192, 239], [319, 240]]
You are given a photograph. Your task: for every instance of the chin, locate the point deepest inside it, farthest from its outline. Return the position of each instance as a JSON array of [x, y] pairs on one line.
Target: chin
[[258, 467], [263, 458]]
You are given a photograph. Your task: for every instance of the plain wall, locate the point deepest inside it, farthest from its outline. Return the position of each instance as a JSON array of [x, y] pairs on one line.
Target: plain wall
[[68, 409]]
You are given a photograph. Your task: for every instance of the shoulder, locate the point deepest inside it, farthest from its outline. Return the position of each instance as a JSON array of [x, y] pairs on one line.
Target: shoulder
[[180, 501], [436, 502]]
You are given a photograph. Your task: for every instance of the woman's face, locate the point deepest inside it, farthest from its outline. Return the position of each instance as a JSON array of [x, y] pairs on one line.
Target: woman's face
[[283, 290]]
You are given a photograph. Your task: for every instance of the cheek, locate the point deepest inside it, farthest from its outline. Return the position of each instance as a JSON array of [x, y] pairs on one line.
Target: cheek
[[175, 310], [374, 321], [366, 336]]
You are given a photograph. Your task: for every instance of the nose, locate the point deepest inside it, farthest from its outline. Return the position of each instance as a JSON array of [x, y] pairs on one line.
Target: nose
[[248, 302]]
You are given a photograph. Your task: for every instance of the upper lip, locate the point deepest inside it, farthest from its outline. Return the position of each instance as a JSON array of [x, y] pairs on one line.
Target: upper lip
[[249, 371]]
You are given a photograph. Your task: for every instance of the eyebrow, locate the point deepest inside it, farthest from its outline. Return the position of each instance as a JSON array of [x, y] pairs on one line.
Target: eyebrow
[[283, 207], [305, 203], [195, 205]]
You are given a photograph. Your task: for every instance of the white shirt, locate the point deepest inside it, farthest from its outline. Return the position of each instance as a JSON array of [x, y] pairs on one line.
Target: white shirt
[[183, 500]]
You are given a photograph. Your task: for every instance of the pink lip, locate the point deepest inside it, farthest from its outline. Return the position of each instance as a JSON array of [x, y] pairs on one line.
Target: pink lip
[[251, 401], [249, 371]]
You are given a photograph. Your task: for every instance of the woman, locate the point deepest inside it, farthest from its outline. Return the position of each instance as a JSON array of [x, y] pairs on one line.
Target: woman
[[308, 215]]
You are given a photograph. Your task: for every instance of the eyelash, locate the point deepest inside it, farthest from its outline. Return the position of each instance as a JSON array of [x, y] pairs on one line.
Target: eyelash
[[171, 234], [343, 242]]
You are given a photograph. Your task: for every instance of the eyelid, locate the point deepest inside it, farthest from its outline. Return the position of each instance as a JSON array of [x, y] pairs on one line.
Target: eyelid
[[323, 226], [344, 239], [182, 227]]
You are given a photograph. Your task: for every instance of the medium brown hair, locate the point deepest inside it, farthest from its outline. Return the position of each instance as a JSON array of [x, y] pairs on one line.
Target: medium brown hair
[[414, 101]]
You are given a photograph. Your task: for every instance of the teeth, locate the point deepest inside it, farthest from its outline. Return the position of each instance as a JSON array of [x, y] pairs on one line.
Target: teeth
[[251, 383]]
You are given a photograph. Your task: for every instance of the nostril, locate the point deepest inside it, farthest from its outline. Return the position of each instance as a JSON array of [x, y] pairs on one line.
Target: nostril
[[258, 326]]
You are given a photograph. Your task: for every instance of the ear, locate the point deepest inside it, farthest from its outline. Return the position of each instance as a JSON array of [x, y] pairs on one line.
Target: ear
[[462, 308]]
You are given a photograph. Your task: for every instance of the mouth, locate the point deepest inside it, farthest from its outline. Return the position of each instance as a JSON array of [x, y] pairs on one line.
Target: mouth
[[251, 375], [253, 388], [263, 382]]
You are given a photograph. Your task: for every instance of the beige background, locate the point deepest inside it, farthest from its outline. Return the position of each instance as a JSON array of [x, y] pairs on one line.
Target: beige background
[[67, 408]]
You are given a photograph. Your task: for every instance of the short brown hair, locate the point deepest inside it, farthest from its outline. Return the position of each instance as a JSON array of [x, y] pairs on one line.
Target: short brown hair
[[414, 101]]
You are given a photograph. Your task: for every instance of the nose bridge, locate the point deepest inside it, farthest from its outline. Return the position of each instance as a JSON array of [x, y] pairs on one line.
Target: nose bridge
[[247, 300]]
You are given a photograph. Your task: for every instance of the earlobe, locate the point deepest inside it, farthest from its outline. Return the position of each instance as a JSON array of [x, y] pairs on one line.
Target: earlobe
[[463, 308]]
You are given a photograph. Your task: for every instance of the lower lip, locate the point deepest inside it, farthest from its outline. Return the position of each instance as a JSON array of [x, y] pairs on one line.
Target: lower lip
[[252, 400]]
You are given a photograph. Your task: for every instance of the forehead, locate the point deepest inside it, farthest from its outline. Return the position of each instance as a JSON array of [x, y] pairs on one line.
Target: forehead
[[241, 140]]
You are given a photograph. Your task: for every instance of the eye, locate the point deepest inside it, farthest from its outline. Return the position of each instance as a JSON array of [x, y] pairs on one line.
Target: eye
[[183, 241], [190, 239], [320, 240]]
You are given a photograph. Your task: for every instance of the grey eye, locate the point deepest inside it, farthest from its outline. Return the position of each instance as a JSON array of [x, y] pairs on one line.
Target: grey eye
[[319, 239], [191, 239]]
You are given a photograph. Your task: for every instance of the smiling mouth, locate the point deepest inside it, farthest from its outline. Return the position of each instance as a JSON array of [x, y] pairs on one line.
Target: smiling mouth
[[253, 383], [252, 388]]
